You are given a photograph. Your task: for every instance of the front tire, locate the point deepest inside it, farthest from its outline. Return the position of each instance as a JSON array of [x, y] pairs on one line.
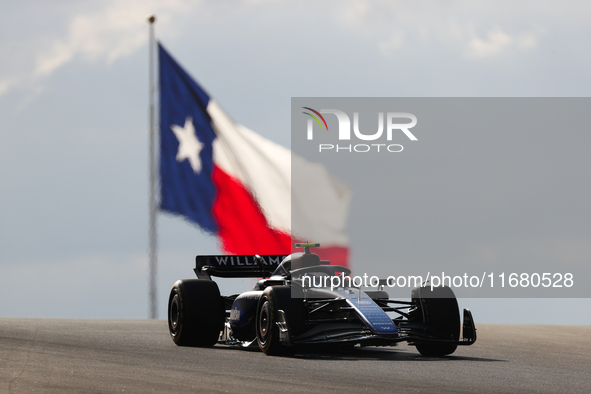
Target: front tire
[[272, 300], [438, 309], [196, 312]]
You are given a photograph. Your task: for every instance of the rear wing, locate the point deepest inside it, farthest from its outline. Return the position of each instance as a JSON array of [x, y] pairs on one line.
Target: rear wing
[[234, 266]]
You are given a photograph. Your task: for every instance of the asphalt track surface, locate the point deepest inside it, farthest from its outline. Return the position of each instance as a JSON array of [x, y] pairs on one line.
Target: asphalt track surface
[[77, 356]]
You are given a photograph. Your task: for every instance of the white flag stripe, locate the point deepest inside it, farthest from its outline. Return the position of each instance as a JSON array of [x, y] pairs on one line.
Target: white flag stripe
[[321, 208], [265, 168]]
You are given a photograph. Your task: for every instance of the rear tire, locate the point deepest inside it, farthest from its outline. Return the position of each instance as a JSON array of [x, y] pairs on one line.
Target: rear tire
[[438, 308], [196, 312]]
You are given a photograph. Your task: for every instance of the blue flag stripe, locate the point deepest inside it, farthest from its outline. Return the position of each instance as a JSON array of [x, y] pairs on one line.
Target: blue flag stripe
[[182, 190]]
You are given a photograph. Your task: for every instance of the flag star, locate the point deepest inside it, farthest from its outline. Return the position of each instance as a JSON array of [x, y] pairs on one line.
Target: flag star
[[189, 145]]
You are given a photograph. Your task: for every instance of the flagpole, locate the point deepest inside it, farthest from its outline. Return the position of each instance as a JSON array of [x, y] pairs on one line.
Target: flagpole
[[153, 203]]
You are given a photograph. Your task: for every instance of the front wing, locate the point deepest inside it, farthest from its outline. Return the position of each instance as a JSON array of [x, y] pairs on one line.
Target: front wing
[[368, 333]]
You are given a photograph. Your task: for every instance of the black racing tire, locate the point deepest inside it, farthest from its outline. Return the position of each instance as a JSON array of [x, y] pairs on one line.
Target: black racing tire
[[196, 313], [273, 299], [438, 308]]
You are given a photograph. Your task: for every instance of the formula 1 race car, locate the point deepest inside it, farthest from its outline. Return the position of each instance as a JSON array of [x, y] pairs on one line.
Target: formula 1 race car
[[287, 311]]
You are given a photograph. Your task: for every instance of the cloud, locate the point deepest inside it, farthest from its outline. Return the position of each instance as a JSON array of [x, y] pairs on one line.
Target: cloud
[[114, 32], [43, 38], [387, 47], [453, 26], [4, 86], [497, 41], [100, 32]]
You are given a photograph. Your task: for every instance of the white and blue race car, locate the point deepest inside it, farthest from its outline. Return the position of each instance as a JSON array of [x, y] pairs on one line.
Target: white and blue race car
[[288, 312]]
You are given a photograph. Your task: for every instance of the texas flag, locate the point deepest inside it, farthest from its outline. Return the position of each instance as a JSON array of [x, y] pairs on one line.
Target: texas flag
[[236, 184]]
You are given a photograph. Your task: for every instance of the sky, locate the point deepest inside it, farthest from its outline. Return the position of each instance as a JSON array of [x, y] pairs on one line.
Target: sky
[[74, 118]]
